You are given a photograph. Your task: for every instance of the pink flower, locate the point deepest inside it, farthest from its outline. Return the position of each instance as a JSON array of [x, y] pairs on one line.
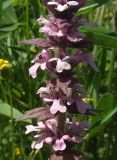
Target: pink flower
[[60, 28], [61, 64], [56, 106], [62, 95], [46, 134], [40, 61], [64, 8]]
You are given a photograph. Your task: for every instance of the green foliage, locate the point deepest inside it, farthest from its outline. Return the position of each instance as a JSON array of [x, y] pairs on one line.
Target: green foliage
[[9, 111], [17, 89]]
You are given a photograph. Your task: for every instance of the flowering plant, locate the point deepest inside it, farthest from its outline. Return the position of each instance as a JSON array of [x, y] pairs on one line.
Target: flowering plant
[[63, 94]]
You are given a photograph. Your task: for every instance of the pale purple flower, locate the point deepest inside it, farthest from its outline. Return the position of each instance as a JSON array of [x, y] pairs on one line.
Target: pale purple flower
[[76, 104], [56, 106], [85, 58], [60, 28], [46, 134], [64, 8], [40, 61], [62, 96], [61, 64]]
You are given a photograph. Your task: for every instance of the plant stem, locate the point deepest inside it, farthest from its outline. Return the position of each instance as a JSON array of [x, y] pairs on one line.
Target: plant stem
[[112, 61], [111, 68], [2, 88], [11, 123], [61, 123]]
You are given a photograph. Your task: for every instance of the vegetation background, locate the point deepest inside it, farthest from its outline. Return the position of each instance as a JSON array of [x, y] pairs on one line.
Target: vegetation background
[[18, 90]]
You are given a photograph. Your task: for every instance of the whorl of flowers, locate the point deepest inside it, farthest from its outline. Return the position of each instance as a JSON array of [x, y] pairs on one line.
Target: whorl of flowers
[[63, 93]]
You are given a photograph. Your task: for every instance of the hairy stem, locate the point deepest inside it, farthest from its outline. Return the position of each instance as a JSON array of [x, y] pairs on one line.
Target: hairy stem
[[61, 123]]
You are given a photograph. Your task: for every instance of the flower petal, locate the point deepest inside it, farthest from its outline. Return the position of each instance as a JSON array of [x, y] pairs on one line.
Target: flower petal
[[83, 107], [43, 66], [53, 59], [41, 125], [47, 99], [37, 145], [52, 3], [67, 66], [55, 106], [43, 90], [49, 140], [33, 70], [59, 66], [61, 8], [59, 145], [72, 3], [29, 128], [62, 108]]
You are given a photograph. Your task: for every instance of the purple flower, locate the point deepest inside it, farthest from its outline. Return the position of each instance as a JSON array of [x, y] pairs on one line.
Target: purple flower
[[40, 61], [45, 61], [64, 8], [62, 95], [46, 134], [56, 27], [85, 58], [76, 104], [56, 106], [61, 64]]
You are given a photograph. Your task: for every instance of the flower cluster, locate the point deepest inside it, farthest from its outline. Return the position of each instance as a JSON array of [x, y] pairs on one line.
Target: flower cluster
[[64, 9], [61, 64], [46, 134], [63, 93]]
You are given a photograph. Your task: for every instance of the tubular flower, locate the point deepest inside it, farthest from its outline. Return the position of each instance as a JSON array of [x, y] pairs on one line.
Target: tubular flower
[[62, 96], [40, 61], [46, 134], [61, 65], [60, 30], [64, 8]]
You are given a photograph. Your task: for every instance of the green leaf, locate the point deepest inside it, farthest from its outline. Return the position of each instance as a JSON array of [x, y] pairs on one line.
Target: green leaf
[[87, 9], [105, 104], [100, 2], [91, 5], [4, 35], [108, 116], [100, 125], [100, 121], [7, 3], [9, 28], [5, 109], [99, 36]]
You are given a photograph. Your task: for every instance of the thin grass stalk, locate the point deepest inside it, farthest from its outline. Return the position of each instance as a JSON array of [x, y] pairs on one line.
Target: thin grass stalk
[[3, 89], [11, 123]]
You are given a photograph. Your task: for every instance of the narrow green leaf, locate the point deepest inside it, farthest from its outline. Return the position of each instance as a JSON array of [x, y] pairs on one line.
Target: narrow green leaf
[[100, 125], [100, 2], [87, 9], [91, 5], [4, 35], [108, 115], [105, 103], [99, 36], [9, 28]]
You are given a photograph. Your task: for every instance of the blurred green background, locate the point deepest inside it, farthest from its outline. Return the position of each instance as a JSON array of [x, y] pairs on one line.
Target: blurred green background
[[18, 90]]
